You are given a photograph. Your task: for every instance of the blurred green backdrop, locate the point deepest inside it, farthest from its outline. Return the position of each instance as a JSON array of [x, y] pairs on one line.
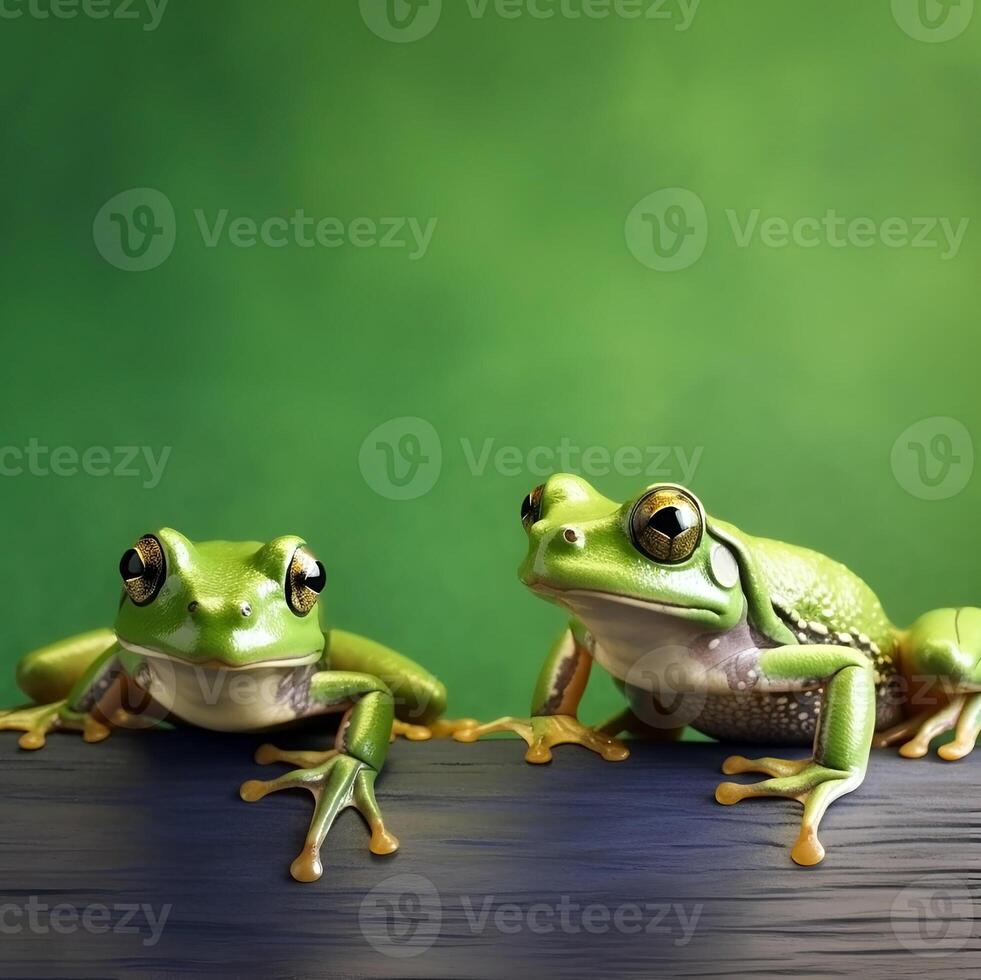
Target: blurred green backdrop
[[786, 374]]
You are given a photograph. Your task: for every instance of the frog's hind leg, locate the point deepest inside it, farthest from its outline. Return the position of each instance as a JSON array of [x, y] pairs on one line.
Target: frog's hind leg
[[841, 743], [940, 656]]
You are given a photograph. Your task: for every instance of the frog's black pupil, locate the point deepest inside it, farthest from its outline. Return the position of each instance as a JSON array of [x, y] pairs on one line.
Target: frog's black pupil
[[670, 521], [131, 565], [526, 508], [315, 581]]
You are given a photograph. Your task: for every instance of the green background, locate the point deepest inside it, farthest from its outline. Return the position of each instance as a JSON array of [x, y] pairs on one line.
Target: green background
[[792, 371]]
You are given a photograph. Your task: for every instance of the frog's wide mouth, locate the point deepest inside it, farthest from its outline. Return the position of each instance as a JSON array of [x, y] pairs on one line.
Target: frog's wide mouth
[[575, 599], [217, 663]]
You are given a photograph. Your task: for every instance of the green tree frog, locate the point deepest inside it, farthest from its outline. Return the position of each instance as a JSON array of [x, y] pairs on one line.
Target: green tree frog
[[227, 636], [743, 638]]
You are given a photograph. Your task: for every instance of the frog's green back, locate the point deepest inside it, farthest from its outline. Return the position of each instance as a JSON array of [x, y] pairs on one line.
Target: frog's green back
[[812, 589]]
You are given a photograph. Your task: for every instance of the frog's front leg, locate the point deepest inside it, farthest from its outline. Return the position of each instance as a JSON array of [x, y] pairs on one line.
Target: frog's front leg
[[344, 776], [76, 710], [940, 656], [841, 742], [561, 683], [419, 697]]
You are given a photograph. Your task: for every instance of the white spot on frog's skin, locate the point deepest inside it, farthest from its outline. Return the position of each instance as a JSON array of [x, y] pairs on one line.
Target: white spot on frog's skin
[[725, 571], [714, 643]]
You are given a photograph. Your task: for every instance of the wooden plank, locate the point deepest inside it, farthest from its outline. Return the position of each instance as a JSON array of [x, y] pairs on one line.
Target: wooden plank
[[578, 869]]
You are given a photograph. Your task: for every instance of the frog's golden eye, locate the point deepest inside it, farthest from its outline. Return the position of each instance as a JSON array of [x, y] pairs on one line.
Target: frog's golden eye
[[531, 507], [305, 580], [143, 568], [666, 525]]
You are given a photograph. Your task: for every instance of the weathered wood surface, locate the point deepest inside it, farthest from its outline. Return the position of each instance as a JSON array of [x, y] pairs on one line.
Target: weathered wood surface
[[578, 869]]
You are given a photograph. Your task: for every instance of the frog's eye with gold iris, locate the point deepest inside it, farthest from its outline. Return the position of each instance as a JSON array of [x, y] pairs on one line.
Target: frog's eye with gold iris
[[531, 507], [305, 580], [143, 569], [666, 525]]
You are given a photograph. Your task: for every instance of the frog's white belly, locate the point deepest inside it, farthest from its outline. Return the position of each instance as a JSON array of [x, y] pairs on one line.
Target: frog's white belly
[[653, 650], [229, 700]]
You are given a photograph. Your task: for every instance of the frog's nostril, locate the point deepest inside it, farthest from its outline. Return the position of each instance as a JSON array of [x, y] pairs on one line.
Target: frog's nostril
[[245, 609], [192, 606], [572, 535]]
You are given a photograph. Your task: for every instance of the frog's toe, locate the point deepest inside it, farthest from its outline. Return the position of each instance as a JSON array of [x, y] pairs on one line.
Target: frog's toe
[[267, 754], [445, 727], [520, 726], [808, 850], [414, 733], [966, 734], [935, 724], [736, 764]]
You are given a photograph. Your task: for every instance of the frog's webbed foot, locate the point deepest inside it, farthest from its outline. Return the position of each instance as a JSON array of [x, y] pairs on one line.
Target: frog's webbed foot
[[962, 714], [813, 785], [337, 781], [441, 728], [543, 732], [37, 720]]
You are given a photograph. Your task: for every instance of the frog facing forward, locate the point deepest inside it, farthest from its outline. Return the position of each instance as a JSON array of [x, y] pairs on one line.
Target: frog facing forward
[[227, 636], [743, 638]]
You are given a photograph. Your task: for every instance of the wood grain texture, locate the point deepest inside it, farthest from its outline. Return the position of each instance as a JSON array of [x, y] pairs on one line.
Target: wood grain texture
[[578, 869]]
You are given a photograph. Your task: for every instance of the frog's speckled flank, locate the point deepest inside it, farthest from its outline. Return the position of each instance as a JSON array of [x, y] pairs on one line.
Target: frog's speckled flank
[[742, 638], [226, 635]]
